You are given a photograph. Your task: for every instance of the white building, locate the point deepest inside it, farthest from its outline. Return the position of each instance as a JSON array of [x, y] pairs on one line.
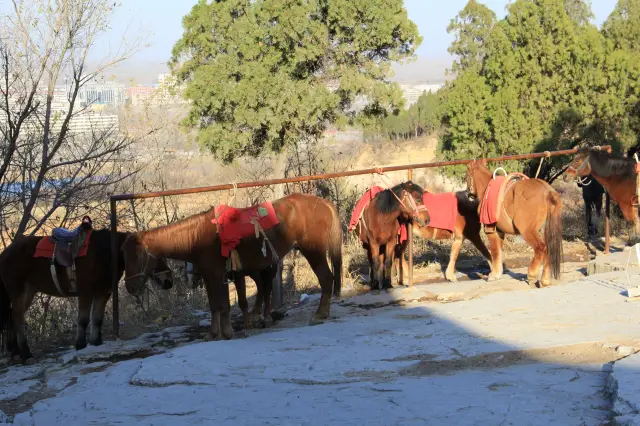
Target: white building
[[102, 93]]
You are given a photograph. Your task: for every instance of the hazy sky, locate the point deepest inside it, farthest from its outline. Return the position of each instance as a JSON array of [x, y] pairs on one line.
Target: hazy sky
[[161, 22]]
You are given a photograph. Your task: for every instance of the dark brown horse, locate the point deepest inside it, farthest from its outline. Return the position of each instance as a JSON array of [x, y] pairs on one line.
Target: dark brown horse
[[22, 276], [309, 222], [529, 205], [264, 283], [378, 228], [617, 175], [467, 225]]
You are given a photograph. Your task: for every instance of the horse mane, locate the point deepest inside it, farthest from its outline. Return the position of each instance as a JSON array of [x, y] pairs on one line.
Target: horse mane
[[184, 234], [387, 202], [466, 202], [606, 165]]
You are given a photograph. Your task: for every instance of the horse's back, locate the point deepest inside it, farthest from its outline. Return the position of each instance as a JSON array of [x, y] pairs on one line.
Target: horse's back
[[306, 217]]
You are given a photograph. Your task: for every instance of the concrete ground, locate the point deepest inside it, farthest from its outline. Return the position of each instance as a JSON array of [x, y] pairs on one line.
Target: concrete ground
[[448, 353]]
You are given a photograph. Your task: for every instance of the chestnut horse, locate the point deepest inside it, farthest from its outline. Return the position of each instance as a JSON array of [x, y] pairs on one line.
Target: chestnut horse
[[378, 228], [22, 276], [529, 205], [309, 222], [618, 177], [467, 226]]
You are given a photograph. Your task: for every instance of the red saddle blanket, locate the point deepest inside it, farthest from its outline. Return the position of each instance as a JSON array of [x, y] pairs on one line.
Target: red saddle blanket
[[442, 208], [363, 202], [491, 202], [46, 245], [234, 224]]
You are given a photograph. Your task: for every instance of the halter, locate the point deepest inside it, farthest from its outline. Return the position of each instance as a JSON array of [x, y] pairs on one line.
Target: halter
[[146, 264], [415, 208], [580, 179]]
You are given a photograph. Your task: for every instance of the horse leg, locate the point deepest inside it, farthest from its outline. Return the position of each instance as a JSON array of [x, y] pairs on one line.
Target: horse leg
[[388, 263], [84, 312], [476, 240], [376, 266], [212, 282], [267, 276], [97, 317], [318, 262], [256, 317], [371, 274], [496, 240], [241, 291], [17, 317], [226, 327], [540, 255], [450, 273]]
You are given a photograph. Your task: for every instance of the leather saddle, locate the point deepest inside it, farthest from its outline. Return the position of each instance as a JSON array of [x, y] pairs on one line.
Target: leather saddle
[[67, 245]]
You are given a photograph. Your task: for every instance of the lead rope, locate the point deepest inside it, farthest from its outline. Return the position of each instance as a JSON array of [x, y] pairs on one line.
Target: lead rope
[[546, 155]]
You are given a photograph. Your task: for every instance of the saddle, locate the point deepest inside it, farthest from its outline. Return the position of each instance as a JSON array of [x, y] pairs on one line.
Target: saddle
[[491, 207], [63, 247]]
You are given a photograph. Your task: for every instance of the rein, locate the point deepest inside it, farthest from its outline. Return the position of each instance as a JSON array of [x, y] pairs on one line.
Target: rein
[[577, 171], [146, 264]]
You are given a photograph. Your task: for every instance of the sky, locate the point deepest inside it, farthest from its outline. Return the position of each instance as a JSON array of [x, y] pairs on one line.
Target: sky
[[160, 21]]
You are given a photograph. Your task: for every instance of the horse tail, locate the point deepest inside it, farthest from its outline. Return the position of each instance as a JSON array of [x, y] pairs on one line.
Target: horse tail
[[553, 232], [335, 249], [5, 318]]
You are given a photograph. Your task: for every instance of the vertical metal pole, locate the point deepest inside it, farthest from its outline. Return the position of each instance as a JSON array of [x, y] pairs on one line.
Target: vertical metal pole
[[410, 236], [114, 269], [606, 223]]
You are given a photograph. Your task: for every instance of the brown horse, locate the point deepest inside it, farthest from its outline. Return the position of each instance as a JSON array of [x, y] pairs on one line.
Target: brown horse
[[310, 222], [22, 276], [378, 228], [619, 178], [467, 225], [529, 204]]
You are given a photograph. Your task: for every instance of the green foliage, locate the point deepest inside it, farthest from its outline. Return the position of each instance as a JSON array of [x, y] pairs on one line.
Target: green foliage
[[542, 78], [421, 118], [257, 71]]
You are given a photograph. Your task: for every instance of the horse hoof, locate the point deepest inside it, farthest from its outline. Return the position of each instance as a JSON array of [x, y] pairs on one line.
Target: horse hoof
[[80, 345], [451, 278], [494, 277], [30, 361], [209, 337], [316, 321], [16, 359], [543, 284], [375, 292]]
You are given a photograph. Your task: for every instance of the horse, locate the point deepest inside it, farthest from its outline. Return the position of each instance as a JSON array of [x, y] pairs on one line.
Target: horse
[[379, 224], [307, 221], [467, 225], [529, 205], [619, 178], [263, 280], [592, 193], [22, 276]]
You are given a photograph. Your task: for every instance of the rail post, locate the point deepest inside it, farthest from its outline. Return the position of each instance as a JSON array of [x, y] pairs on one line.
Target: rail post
[[114, 269], [410, 236], [606, 223]]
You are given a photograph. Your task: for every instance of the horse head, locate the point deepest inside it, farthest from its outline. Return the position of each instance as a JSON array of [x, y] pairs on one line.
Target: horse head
[[579, 167], [471, 175], [140, 265], [412, 203]]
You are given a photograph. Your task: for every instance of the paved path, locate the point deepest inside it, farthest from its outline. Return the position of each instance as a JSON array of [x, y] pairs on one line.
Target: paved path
[[520, 357]]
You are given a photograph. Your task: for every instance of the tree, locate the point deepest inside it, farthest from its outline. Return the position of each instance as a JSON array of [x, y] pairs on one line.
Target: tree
[[547, 79], [622, 27], [265, 74], [470, 27], [46, 167]]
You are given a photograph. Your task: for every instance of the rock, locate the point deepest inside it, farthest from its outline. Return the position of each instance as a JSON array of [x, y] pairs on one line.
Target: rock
[[3, 418], [625, 350]]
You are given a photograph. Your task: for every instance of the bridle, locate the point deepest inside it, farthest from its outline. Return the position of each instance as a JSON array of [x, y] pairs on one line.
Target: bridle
[[144, 272], [415, 208], [577, 171]]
